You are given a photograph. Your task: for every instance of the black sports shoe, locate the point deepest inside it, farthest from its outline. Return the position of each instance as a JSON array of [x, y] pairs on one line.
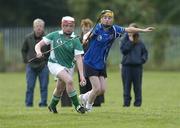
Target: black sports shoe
[[52, 109], [80, 109]]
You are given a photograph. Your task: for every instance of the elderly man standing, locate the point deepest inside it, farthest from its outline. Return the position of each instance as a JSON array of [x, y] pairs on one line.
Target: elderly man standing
[[38, 67]]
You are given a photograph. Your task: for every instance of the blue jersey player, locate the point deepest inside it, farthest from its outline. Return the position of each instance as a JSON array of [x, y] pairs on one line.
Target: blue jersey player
[[100, 41]]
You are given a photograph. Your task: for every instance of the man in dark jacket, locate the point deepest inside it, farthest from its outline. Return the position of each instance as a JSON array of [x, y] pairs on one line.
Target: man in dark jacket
[[37, 67], [134, 56]]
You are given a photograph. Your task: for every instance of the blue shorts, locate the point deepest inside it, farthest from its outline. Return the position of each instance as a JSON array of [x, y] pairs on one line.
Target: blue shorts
[[89, 71]]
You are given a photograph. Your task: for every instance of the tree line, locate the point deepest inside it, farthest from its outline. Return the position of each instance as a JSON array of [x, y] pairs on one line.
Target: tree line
[[22, 12]]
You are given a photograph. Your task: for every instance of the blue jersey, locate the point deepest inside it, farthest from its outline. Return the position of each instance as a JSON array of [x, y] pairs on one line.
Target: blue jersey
[[100, 44]]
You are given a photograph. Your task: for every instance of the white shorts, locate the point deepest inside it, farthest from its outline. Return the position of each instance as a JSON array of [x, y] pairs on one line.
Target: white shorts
[[55, 68]]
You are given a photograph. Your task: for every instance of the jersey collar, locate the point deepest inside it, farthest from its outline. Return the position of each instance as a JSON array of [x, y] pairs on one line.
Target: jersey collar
[[72, 35]]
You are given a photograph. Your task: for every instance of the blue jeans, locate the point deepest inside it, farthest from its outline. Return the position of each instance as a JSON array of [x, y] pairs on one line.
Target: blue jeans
[[31, 76]]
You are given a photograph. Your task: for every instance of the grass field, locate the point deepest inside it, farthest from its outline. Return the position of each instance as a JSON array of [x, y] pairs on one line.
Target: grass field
[[160, 109]]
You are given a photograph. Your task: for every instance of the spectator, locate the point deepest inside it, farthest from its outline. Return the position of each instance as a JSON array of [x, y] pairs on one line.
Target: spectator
[[134, 56], [38, 67]]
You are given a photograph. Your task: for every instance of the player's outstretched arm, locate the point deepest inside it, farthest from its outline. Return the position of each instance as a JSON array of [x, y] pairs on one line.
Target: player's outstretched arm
[[134, 30]]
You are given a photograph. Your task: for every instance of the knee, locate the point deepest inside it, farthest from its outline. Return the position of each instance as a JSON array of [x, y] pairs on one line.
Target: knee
[[97, 90], [30, 87], [69, 82]]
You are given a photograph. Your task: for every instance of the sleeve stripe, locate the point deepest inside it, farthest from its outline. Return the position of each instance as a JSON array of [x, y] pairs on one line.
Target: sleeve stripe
[[46, 40], [78, 52]]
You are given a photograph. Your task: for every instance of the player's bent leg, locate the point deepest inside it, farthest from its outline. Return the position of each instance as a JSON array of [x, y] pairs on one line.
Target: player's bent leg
[[53, 103], [56, 96], [66, 76], [93, 93]]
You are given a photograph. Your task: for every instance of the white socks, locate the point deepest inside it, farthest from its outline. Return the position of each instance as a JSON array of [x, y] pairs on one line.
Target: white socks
[[86, 96], [89, 106]]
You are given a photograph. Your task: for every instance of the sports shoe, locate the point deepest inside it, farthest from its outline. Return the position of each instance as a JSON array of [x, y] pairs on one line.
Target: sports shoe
[[52, 109], [80, 109], [88, 108], [82, 100]]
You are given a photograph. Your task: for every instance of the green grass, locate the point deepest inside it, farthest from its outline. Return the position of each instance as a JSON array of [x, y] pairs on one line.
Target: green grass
[[160, 109]]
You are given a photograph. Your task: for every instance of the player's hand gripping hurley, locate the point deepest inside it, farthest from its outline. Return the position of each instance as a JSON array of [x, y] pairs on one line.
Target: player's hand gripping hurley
[[41, 55]]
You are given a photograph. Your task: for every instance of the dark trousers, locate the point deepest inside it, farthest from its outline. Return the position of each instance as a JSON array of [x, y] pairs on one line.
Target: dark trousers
[[132, 75], [31, 76]]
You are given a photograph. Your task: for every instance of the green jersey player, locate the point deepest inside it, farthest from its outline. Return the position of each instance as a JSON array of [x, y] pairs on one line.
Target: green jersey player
[[66, 50]]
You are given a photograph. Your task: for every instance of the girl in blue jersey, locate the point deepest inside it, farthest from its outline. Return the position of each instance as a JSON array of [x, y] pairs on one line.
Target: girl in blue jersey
[[100, 42], [86, 25]]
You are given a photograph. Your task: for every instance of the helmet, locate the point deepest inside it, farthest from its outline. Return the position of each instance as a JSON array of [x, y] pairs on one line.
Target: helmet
[[107, 13], [67, 20]]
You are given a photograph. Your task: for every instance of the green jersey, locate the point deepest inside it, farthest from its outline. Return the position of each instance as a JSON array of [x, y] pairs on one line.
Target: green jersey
[[65, 48]]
